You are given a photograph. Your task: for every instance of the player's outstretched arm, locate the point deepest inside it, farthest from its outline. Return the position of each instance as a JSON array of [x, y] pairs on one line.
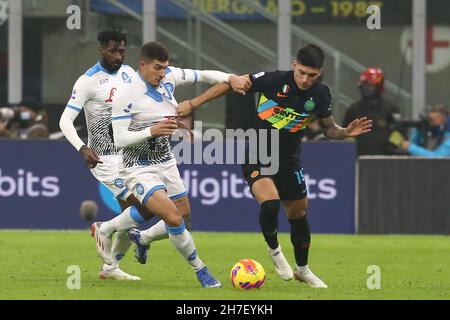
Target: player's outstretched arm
[[240, 84], [214, 92], [179, 77], [356, 128]]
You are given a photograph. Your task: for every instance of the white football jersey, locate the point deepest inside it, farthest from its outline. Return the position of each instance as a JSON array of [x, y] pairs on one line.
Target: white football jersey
[[145, 106], [94, 91]]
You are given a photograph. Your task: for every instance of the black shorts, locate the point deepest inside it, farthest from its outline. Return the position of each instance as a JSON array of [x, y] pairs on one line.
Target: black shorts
[[290, 183]]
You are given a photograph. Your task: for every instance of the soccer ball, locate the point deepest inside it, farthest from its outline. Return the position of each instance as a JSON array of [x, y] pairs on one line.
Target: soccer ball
[[247, 274]]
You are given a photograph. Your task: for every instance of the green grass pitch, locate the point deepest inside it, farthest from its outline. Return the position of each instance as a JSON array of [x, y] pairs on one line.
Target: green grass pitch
[[34, 266]]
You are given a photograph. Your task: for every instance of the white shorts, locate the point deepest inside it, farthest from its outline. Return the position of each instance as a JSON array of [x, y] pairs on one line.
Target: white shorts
[[144, 181], [108, 173]]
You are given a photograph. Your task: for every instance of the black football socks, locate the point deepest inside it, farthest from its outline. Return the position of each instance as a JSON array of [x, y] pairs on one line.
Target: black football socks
[[301, 239], [268, 220]]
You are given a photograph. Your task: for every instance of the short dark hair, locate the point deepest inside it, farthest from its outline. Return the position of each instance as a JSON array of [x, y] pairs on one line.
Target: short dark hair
[[114, 34], [311, 56], [154, 50]]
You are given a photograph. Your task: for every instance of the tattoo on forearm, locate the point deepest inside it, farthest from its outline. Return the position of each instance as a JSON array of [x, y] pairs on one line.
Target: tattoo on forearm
[[335, 132], [332, 130]]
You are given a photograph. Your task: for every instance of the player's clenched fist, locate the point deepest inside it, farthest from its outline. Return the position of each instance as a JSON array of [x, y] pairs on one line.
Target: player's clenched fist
[[240, 84], [185, 108], [164, 128]]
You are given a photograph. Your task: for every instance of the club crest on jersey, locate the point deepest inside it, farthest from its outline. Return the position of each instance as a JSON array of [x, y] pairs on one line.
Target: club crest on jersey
[[309, 104], [103, 81], [126, 78]]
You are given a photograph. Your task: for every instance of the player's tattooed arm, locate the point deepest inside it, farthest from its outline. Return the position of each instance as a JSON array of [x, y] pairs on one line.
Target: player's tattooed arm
[[331, 129], [356, 128]]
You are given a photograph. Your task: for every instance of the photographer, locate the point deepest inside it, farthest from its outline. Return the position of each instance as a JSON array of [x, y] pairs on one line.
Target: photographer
[[434, 141]]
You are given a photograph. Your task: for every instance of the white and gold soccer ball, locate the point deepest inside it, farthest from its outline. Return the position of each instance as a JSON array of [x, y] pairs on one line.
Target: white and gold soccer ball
[[247, 274]]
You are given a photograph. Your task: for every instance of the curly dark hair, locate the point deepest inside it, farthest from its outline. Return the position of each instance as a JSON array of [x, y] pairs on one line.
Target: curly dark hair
[[114, 34]]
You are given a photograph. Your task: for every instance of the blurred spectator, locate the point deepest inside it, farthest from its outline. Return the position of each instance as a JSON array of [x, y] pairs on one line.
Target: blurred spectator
[[6, 116], [26, 121], [4, 132], [435, 140], [373, 106]]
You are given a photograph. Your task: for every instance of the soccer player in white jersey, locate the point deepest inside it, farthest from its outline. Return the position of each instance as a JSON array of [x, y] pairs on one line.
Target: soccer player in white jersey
[[142, 119], [93, 92]]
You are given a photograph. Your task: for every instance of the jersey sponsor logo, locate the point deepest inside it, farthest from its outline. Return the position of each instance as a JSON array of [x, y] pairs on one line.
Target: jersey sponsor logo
[[111, 95], [309, 104], [257, 75], [74, 93], [126, 78], [282, 118], [183, 74]]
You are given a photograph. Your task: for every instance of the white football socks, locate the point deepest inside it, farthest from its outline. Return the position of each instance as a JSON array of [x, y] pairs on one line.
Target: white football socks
[[182, 240], [157, 232], [128, 219], [120, 246]]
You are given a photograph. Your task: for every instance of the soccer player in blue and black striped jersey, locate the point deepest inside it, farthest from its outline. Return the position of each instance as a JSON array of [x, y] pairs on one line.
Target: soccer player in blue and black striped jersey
[[288, 101]]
